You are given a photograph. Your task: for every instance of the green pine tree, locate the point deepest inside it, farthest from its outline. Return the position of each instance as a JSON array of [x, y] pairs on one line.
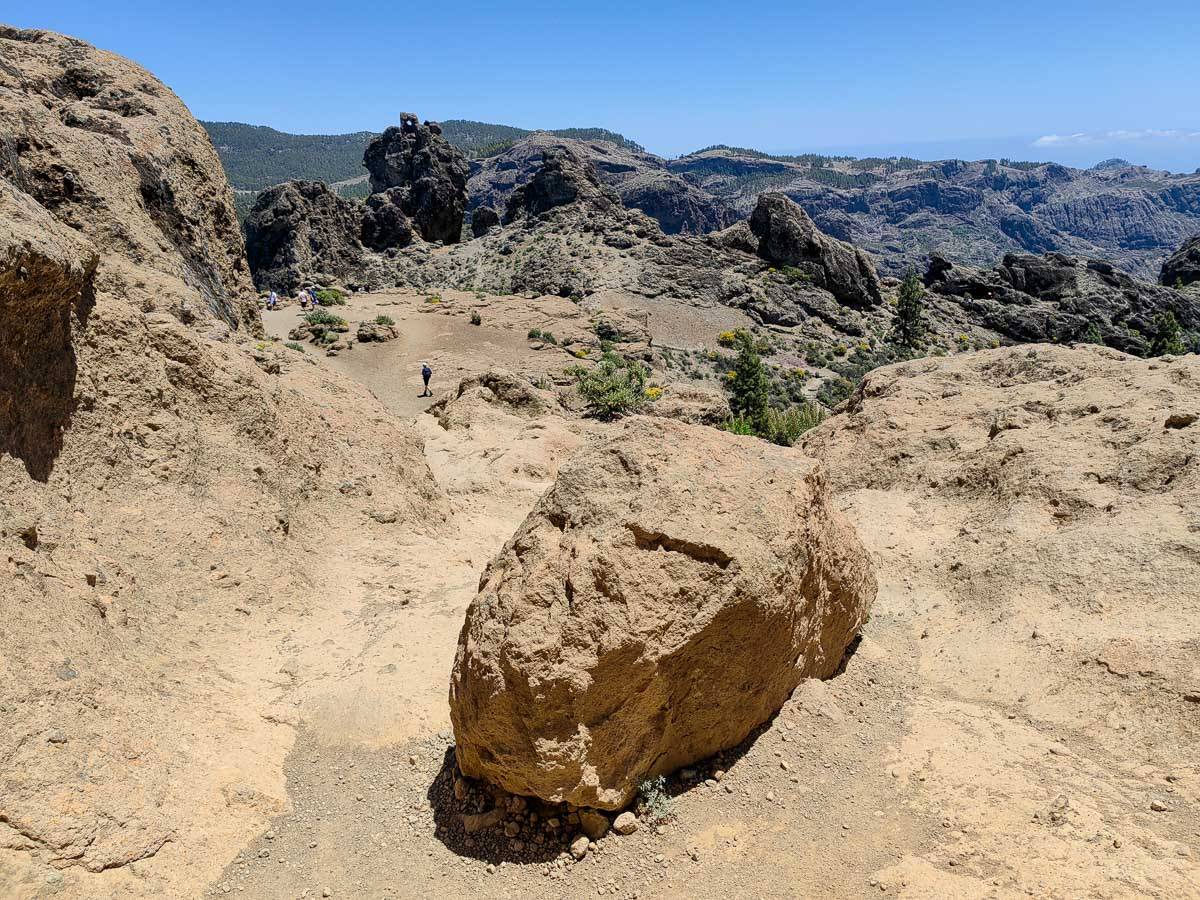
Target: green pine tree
[[1168, 336], [910, 330], [749, 387]]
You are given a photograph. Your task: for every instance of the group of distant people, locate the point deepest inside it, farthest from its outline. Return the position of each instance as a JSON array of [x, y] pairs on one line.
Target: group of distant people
[[306, 297]]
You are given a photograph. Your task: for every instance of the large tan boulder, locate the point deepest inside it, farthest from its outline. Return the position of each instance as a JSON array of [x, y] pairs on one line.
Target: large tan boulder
[[110, 151], [662, 600]]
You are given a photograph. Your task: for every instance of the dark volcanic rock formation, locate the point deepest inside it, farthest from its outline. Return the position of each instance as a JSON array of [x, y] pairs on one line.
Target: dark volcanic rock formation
[[299, 229], [788, 237], [384, 224], [483, 219], [1059, 299], [641, 180], [429, 174], [969, 212], [564, 177], [1183, 267]]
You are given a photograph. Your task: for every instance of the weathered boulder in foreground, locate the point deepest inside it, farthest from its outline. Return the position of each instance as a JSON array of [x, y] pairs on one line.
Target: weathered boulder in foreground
[[788, 237], [662, 600]]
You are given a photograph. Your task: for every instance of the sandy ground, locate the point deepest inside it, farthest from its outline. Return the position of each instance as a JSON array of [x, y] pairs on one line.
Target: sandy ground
[[887, 779], [937, 764]]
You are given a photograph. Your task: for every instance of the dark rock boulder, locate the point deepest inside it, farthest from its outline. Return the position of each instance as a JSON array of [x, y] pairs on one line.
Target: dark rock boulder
[[298, 229], [565, 177], [483, 219], [429, 173], [788, 237], [1183, 267], [1059, 299], [643, 182], [384, 224]]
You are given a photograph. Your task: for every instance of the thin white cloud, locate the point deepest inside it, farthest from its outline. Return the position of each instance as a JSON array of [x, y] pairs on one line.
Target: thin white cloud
[[1120, 136]]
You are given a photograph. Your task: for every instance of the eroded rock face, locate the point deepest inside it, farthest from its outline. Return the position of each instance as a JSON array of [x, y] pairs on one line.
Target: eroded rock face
[[483, 219], [301, 228], [108, 150], [428, 174], [1183, 267], [47, 290], [662, 600], [565, 177], [788, 237], [641, 179], [1056, 298]]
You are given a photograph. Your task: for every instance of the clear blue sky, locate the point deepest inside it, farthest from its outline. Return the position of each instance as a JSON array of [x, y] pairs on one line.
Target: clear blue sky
[[1092, 79]]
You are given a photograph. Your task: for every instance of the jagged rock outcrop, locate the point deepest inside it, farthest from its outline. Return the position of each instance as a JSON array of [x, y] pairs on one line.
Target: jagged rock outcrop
[[1056, 298], [483, 219], [427, 174], [633, 625], [970, 212], [788, 237], [112, 153], [384, 224], [641, 180], [301, 229], [564, 177], [1183, 266]]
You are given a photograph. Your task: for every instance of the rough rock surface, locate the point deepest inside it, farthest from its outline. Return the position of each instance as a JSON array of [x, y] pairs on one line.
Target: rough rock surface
[[692, 403], [788, 237], [483, 219], [970, 212], [1183, 266], [428, 173], [641, 180], [384, 222], [564, 177], [47, 289], [1056, 298], [111, 152], [662, 600], [142, 460], [300, 230]]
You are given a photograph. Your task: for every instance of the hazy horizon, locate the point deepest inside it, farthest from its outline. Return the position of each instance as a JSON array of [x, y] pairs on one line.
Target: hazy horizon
[[1085, 82]]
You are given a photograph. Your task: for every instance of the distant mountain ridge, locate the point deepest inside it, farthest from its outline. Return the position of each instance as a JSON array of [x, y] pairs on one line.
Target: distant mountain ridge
[[256, 157], [899, 208]]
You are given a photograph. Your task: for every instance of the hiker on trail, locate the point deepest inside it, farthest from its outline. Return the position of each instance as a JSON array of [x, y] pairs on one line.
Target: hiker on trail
[[272, 300], [303, 297], [312, 295], [426, 373]]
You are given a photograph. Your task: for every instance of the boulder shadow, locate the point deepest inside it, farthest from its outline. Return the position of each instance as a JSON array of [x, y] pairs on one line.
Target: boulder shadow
[[42, 304], [480, 821]]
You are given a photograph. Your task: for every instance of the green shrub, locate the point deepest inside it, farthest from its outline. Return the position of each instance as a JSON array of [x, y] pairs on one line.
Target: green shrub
[[739, 425], [549, 338], [292, 345], [834, 390], [534, 334], [1168, 336], [324, 317], [476, 318], [784, 426], [331, 297], [384, 320], [613, 387], [654, 802]]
